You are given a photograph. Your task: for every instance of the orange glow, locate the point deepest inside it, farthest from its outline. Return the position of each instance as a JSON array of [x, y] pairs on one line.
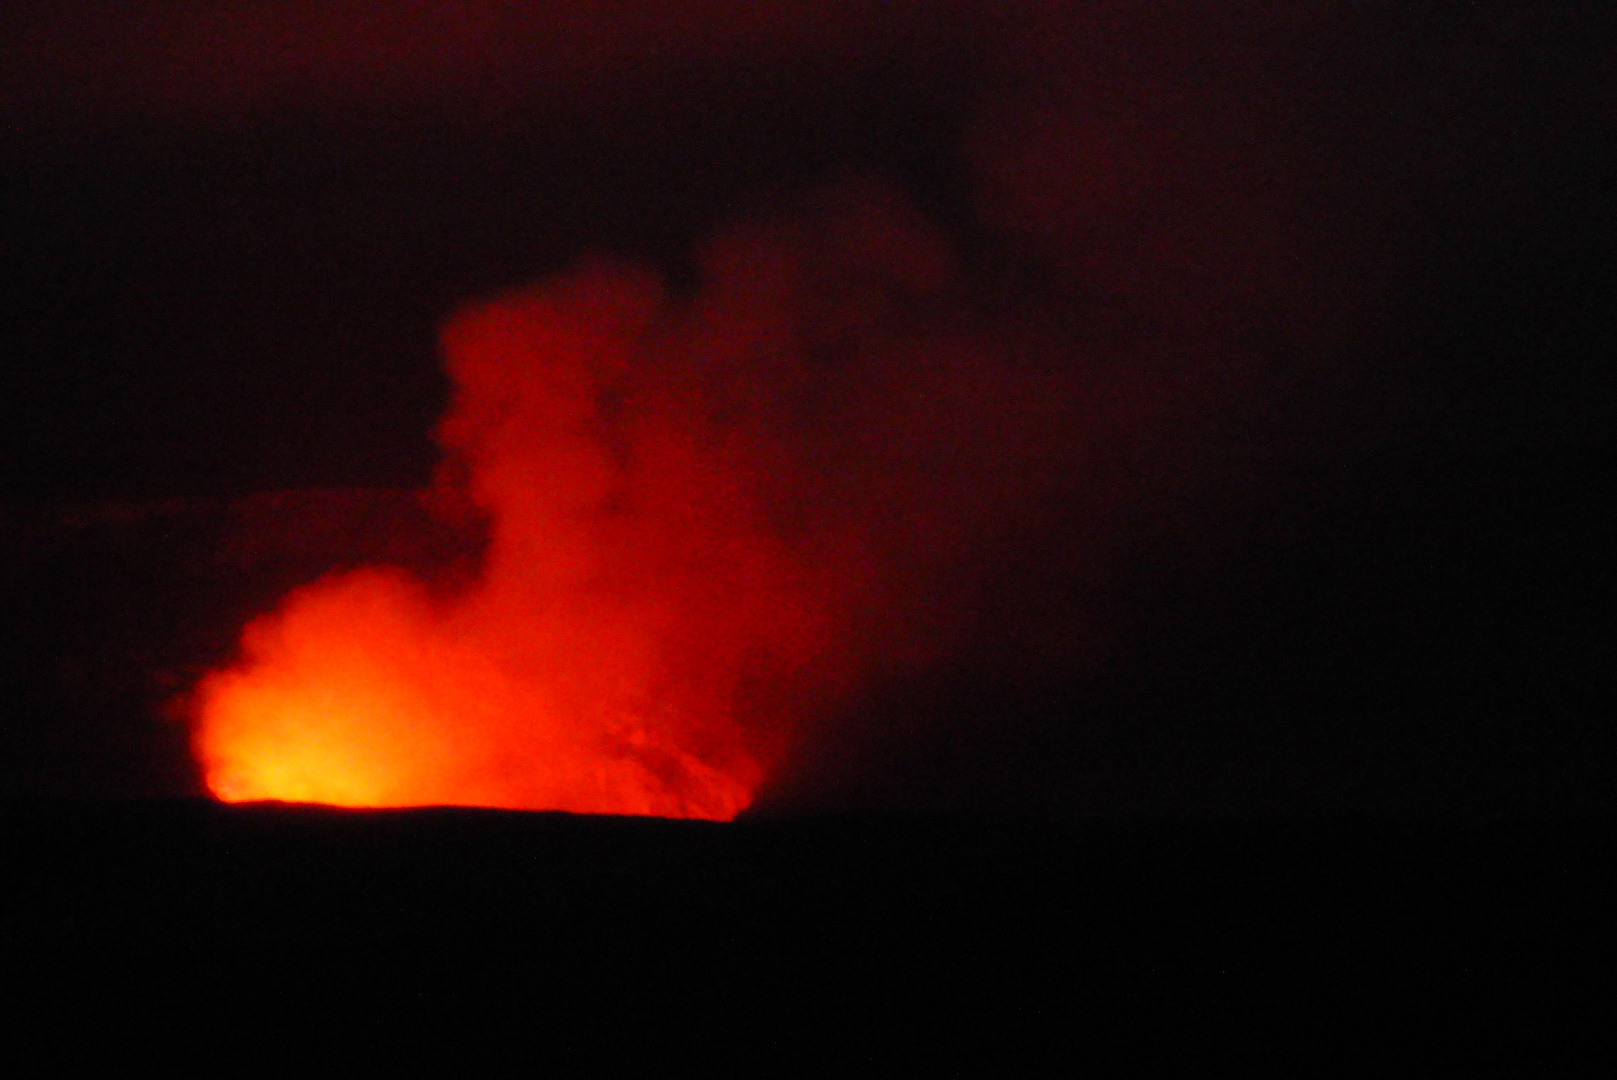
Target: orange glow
[[712, 518], [633, 582], [358, 693]]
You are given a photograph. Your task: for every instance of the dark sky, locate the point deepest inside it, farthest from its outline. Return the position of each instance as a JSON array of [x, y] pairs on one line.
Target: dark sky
[[1361, 254]]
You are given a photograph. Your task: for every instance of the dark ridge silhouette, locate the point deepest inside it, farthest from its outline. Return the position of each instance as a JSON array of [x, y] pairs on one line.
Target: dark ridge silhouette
[[451, 939]]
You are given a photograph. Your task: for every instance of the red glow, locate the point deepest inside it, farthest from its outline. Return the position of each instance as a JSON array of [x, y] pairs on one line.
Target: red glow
[[632, 583], [711, 520]]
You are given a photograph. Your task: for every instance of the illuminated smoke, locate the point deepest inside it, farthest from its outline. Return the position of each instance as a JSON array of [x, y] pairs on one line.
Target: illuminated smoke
[[706, 515], [723, 517], [719, 516]]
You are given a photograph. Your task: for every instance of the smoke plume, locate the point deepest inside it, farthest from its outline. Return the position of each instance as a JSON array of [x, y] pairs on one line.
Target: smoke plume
[[727, 509], [710, 516], [722, 516]]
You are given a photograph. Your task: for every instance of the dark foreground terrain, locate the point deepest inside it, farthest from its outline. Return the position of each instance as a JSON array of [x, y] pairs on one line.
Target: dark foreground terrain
[[457, 940]]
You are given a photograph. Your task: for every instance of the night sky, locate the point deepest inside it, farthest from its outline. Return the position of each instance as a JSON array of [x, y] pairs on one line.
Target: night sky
[[1326, 291]]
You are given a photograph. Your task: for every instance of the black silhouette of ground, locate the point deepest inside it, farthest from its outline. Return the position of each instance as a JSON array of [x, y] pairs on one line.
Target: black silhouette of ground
[[462, 941]]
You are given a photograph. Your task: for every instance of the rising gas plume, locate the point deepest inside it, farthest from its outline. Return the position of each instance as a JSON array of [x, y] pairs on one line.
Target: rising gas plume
[[709, 516], [860, 447], [728, 511]]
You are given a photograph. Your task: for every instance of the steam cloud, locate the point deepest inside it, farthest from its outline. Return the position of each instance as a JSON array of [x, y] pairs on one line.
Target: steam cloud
[[710, 516], [718, 514], [861, 445]]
